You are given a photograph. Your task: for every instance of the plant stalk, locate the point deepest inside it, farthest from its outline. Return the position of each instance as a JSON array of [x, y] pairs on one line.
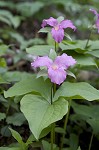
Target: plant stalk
[[53, 90], [65, 125], [55, 46], [91, 139], [88, 39]]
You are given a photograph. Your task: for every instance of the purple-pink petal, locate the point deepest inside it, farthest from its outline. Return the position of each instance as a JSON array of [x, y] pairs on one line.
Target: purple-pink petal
[[42, 61], [94, 11], [97, 24], [97, 21], [67, 24], [58, 35], [57, 76], [51, 21], [65, 61]]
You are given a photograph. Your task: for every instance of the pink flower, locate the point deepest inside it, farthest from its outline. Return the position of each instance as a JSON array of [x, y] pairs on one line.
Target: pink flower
[[57, 30], [56, 69], [97, 21]]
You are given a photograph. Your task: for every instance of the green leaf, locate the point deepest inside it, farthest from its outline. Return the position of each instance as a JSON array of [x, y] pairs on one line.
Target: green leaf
[[5, 131], [43, 134], [94, 45], [60, 18], [16, 135], [73, 141], [28, 9], [85, 60], [3, 81], [39, 50], [2, 62], [10, 148], [52, 54], [40, 113], [2, 116], [79, 90], [60, 130], [88, 113], [79, 148], [28, 85], [94, 123], [47, 146], [78, 46], [94, 53], [71, 74], [16, 119], [14, 76], [14, 20], [68, 36], [3, 49], [43, 73], [45, 30]]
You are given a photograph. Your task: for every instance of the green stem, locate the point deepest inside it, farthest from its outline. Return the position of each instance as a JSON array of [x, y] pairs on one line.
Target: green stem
[[88, 38], [53, 90], [55, 46], [65, 125], [7, 111], [52, 136], [91, 139]]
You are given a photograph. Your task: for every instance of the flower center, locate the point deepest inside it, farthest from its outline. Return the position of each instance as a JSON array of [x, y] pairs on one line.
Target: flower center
[[54, 67], [56, 28]]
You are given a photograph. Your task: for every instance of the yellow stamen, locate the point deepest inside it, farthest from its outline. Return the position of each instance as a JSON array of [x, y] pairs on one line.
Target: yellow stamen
[[56, 28], [55, 67]]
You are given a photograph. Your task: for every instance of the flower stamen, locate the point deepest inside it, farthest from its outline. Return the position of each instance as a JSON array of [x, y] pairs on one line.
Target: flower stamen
[[56, 28], [54, 67]]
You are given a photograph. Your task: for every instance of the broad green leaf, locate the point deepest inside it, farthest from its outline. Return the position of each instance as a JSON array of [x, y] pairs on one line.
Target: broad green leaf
[[43, 73], [80, 90], [9, 4], [15, 76], [2, 116], [40, 113], [45, 30], [71, 74], [94, 123], [28, 85], [68, 36], [85, 60], [60, 130], [10, 148], [60, 18], [52, 54], [14, 20], [5, 132], [78, 46], [73, 141], [3, 49], [91, 111], [5, 20], [79, 148], [43, 134], [47, 145], [39, 50], [94, 53], [16, 119], [88, 113], [28, 9], [3, 81], [16, 135], [94, 45], [2, 62]]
